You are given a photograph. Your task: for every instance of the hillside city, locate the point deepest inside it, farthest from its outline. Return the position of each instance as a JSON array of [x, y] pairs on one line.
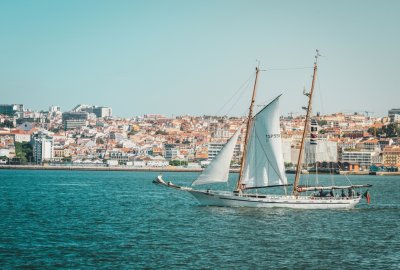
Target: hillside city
[[91, 136]]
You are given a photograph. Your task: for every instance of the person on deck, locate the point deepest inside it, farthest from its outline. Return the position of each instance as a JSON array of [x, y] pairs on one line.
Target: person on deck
[[351, 192]]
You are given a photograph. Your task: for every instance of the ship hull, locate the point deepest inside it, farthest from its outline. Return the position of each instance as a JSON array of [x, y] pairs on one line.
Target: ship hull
[[270, 201]]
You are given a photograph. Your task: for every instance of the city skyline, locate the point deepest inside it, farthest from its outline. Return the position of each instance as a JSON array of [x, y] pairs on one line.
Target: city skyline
[[180, 58]]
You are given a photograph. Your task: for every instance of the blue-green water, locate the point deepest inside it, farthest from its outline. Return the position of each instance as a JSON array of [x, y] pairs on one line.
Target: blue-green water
[[120, 220]]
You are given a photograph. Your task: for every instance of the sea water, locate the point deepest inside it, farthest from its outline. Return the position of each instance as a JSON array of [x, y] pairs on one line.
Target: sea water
[[120, 220]]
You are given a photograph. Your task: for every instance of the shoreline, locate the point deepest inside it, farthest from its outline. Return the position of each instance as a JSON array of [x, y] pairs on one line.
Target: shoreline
[[154, 169], [100, 168]]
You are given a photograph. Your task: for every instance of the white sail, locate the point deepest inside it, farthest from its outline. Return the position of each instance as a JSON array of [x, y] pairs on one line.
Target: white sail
[[218, 170], [264, 162]]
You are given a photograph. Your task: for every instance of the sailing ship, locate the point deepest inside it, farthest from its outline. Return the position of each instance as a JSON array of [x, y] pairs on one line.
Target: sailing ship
[[262, 167]]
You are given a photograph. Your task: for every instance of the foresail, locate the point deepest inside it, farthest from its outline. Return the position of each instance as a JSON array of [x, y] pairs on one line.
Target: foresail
[[264, 163], [218, 170]]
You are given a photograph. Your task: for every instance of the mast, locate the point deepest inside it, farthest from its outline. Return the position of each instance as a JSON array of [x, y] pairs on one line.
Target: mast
[[246, 139], [299, 160]]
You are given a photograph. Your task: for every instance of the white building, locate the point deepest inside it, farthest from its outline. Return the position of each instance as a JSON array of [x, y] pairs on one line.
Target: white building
[[53, 109], [215, 148], [42, 146], [322, 151], [287, 150], [157, 161], [4, 152], [171, 151], [102, 111], [363, 159], [394, 115]]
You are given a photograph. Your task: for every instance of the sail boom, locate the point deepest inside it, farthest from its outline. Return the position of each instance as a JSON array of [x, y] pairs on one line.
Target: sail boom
[[270, 186], [317, 188]]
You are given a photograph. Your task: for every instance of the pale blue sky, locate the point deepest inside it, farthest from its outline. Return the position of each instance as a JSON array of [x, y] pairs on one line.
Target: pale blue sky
[[190, 57]]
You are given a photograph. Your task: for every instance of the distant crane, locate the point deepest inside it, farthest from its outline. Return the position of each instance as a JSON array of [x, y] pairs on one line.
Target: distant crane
[[291, 114]]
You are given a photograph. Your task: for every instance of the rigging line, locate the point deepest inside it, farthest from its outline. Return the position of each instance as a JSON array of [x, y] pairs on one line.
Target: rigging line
[[320, 97], [295, 68], [237, 100], [348, 179], [245, 84]]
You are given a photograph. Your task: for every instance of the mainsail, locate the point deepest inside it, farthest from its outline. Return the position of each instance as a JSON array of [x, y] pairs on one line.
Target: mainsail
[[264, 163], [218, 170]]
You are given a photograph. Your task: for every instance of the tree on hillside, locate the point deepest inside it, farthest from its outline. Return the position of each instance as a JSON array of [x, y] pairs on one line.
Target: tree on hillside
[[7, 124], [391, 130], [23, 151]]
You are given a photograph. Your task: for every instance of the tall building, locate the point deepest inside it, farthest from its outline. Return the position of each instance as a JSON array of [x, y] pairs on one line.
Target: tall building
[[73, 120], [171, 151], [54, 109], [101, 112], [42, 147], [215, 147], [394, 115], [11, 109]]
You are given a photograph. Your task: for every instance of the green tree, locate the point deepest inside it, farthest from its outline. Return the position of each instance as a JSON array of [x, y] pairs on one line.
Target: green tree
[[133, 132], [23, 151], [7, 123], [391, 130], [178, 163], [161, 132]]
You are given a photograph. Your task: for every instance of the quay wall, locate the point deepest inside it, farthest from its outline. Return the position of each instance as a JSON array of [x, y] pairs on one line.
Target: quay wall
[[152, 169]]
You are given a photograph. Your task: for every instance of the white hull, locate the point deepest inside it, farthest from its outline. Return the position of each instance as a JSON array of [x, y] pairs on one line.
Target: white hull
[[229, 199]]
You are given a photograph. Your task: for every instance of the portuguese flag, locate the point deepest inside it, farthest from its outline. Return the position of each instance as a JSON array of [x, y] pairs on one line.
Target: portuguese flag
[[367, 196]]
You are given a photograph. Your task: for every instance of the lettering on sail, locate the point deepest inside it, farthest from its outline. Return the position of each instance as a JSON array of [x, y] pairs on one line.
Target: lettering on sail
[[272, 136]]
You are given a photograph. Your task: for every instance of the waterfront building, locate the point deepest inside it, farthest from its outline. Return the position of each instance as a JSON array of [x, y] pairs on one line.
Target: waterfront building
[[171, 151], [320, 151], [157, 161], [391, 156], [72, 120], [215, 147], [121, 157], [358, 159], [42, 147]]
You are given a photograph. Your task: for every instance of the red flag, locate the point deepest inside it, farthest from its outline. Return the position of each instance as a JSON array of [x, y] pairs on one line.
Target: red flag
[[367, 196]]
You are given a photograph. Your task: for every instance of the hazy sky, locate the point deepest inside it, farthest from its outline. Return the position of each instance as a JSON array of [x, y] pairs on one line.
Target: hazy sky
[[191, 57]]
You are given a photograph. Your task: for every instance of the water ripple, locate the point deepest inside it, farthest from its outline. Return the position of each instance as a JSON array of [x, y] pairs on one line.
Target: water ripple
[[120, 220]]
